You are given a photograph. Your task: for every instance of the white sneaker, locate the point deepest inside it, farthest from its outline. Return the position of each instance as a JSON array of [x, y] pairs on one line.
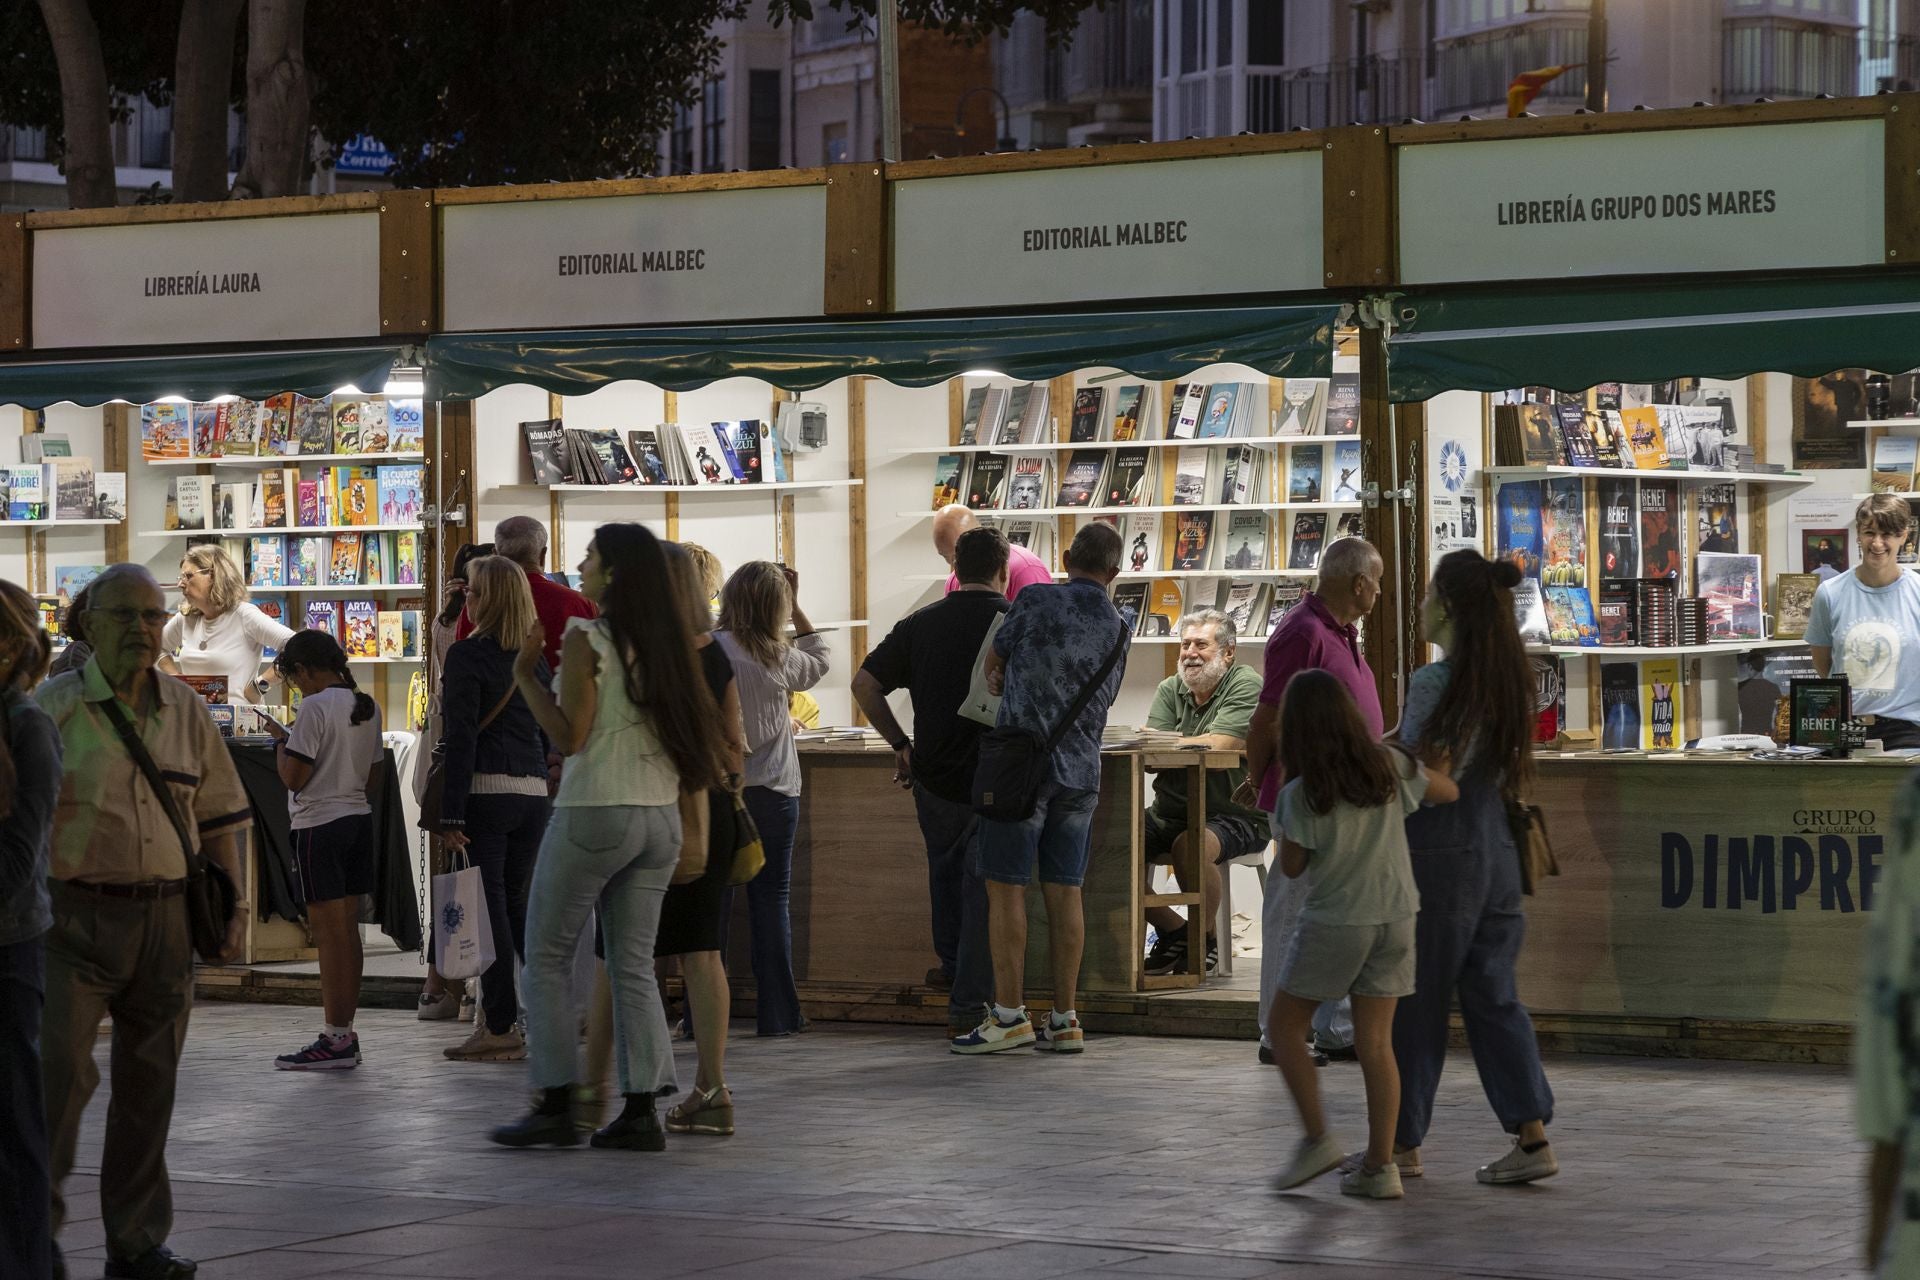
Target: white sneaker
[[994, 1036], [1380, 1184], [1310, 1159], [484, 1046], [440, 1008], [1408, 1162], [1519, 1165]]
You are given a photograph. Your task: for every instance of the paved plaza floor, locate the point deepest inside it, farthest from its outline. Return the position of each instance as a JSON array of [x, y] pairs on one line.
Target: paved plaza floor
[[873, 1152]]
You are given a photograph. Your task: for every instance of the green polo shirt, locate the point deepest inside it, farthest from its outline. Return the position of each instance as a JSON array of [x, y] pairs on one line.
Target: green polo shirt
[[1229, 711]]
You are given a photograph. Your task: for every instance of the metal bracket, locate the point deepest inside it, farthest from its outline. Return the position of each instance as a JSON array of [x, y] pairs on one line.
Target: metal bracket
[[1372, 495]]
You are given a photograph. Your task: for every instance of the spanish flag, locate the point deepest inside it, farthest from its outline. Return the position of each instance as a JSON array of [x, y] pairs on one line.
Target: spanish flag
[[1527, 86]]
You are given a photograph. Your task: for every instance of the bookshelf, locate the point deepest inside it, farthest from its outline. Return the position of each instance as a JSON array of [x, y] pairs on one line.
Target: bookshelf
[[285, 460], [303, 530], [1034, 513], [1887, 424], [1060, 446], [1654, 651], [1638, 473], [696, 490]]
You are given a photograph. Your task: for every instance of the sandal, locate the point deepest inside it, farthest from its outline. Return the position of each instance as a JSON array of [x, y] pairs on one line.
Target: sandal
[[703, 1111]]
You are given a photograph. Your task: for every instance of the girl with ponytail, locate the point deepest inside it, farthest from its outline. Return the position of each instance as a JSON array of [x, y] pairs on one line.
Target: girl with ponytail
[[330, 762], [1473, 711]]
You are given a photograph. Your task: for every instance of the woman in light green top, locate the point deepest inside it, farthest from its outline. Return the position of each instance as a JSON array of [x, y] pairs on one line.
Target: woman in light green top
[[634, 719]]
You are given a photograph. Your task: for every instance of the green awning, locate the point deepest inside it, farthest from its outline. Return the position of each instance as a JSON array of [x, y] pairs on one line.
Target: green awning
[[139, 379], [1283, 341], [1573, 336]]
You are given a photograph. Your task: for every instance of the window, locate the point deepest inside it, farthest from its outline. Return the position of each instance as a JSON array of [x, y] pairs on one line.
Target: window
[[1190, 44], [156, 136], [713, 126], [1769, 57], [1266, 35], [833, 143], [1223, 32], [763, 119], [680, 141]]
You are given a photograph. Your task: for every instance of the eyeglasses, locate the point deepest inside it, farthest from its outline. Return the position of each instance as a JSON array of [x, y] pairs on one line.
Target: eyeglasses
[[188, 574], [127, 617]]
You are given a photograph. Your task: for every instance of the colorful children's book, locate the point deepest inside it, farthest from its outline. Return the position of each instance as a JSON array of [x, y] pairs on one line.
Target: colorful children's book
[[307, 498], [361, 621], [399, 489], [392, 636], [406, 426], [276, 425], [324, 615], [307, 562], [206, 429], [375, 552], [267, 558], [406, 559], [344, 570], [312, 425], [240, 434], [164, 432], [346, 425], [356, 495], [374, 437]]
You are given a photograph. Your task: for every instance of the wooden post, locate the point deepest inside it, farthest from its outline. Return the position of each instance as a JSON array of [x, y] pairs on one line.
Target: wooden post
[[1384, 626], [458, 479], [856, 276], [114, 433], [1357, 204], [556, 506], [15, 281], [670, 410], [408, 231], [857, 521]]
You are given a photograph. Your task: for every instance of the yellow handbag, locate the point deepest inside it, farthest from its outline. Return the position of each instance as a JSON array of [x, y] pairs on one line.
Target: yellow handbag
[[749, 855]]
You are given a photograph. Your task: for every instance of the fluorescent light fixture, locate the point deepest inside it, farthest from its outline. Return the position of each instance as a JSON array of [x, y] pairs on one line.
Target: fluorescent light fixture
[[983, 373], [406, 380], [348, 391], [174, 400]]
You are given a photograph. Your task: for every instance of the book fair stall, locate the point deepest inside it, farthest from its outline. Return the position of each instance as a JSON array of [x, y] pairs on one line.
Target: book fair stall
[[232, 376], [1652, 360]]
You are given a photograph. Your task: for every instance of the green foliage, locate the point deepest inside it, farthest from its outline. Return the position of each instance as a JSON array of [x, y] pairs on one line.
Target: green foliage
[[137, 39]]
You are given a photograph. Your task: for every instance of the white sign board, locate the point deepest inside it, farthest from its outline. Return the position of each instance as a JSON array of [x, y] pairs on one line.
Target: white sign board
[[222, 280], [1754, 198], [635, 260], [1175, 228]]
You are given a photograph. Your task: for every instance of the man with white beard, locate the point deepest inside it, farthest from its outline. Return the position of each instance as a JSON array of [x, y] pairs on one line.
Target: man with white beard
[[1210, 701]]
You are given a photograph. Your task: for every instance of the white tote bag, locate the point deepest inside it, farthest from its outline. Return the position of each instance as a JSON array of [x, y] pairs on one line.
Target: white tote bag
[[462, 933], [981, 706]]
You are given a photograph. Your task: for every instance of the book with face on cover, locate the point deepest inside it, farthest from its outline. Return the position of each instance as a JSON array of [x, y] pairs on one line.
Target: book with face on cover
[[1217, 419], [1309, 536], [165, 431], [1089, 415], [240, 433], [345, 568], [361, 621], [324, 615], [308, 560], [1032, 476], [1719, 507], [1193, 540]]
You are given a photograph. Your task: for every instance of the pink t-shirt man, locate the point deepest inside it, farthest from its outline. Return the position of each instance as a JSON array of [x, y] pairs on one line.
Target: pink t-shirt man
[[1311, 639], [1024, 569]]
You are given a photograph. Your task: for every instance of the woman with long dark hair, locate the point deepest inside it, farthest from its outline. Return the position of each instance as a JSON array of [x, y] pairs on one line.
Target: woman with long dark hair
[[1472, 713], [634, 719]]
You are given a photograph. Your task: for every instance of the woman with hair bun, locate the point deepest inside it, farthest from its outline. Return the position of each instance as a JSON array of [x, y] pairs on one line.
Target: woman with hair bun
[[1471, 713]]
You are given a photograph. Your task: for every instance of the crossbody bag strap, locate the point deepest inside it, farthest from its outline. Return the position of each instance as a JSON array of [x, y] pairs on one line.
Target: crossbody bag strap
[[495, 713], [151, 771], [1086, 693]]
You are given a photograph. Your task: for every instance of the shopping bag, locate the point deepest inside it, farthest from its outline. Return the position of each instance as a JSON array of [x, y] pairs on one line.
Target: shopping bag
[[982, 706], [462, 933]]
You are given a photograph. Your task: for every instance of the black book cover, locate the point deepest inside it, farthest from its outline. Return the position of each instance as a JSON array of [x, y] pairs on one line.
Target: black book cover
[[546, 448], [1620, 706], [1127, 486], [1619, 529]]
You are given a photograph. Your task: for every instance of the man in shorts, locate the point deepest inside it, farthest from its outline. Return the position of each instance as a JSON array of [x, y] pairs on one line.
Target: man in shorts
[[1210, 702]]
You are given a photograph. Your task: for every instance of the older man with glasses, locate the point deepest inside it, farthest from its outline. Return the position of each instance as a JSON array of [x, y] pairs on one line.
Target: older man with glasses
[[120, 942]]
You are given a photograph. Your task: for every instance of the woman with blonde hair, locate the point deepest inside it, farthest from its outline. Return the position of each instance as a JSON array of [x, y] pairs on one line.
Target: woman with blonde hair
[[29, 788], [494, 804], [757, 605], [217, 633]]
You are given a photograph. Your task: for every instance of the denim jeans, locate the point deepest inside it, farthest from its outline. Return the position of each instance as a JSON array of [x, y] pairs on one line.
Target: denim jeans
[[1279, 918], [1466, 942], [504, 834], [26, 1244], [1055, 838], [776, 999], [619, 857], [959, 898]]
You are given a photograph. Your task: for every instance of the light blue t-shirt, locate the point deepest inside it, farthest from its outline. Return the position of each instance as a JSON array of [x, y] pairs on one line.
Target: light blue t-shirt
[[1874, 633]]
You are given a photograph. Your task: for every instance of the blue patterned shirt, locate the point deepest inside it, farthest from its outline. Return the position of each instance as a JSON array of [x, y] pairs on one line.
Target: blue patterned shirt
[[1054, 640]]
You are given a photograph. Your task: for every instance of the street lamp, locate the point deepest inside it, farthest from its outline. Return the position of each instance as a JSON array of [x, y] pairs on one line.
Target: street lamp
[[1006, 142]]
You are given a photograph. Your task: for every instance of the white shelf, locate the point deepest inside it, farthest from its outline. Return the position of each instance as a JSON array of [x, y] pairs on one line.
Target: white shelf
[[1029, 513], [1150, 574], [1058, 447], [1670, 651], [1904, 424], [286, 460], [54, 524], [388, 589], [383, 662], [305, 530], [842, 625], [1639, 473], [710, 490]]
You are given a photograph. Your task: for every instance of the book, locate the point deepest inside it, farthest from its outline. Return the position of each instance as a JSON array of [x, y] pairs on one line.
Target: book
[[1240, 475], [69, 580], [1130, 409], [1660, 719], [376, 554], [773, 459], [546, 444], [649, 463], [1343, 405], [1303, 473], [70, 482], [1576, 437], [1217, 419], [267, 556], [406, 426], [705, 455], [987, 482], [1028, 489], [344, 570], [1659, 529], [406, 559], [1285, 596], [189, 504], [374, 436], [212, 689], [970, 416], [313, 424], [949, 478], [1081, 482], [1817, 708], [1130, 600], [360, 621], [110, 495], [1349, 525], [1309, 533], [231, 504], [324, 615], [1678, 431], [1186, 415], [206, 431], [1730, 584], [1570, 617], [1563, 534], [1089, 406], [1719, 519], [1130, 481], [306, 498], [410, 633], [391, 636], [1013, 415], [740, 439], [1792, 603], [1165, 604], [273, 498], [1036, 421], [165, 431], [1613, 611], [1620, 706], [1192, 540], [398, 487], [1619, 529], [276, 425], [240, 429], [1303, 407], [1346, 472], [1517, 532], [1245, 544], [616, 467], [1617, 447], [356, 495], [1139, 543], [308, 560], [993, 411], [1190, 469], [1530, 611], [1243, 603]]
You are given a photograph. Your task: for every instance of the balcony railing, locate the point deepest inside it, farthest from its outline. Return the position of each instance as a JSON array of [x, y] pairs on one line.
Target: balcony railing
[[1781, 58], [1473, 74], [1368, 90]]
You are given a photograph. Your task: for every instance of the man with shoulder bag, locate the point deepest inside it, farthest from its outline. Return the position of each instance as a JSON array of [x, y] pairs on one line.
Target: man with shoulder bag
[[151, 816], [1057, 663]]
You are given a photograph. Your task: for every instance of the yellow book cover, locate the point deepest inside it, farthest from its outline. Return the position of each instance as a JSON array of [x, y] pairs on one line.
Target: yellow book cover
[[392, 637], [1648, 441], [1661, 724], [1164, 607]]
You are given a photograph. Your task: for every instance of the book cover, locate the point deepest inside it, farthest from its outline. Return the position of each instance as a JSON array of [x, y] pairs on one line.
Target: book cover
[[1620, 706], [324, 615], [1129, 411], [1582, 627], [987, 482], [1175, 399], [206, 429], [1239, 474], [27, 491], [1617, 444], [267, 554], [1130, 599], [1089, 406], [212, 689], [344, 571], [1245, 546], [1165, 604], [406, 559], [1303, 407], [1192, 539], [1816, 710], [307, 503], [707, 455], [313, 424], [231, 504], [1186, 422], [241, 438], [1242, 602], [1303, 473], [374, 437], [1614, 613], [110, 495], [69, 580], [1660, 718], [1139, 543], [1130, 484], [1530, 611], [993, 411], [949, 478], [1679, 431], [1080, 483], [307, 562], [360, 619], [1027, 490], [1576, 437], [649, 463], [773, 459], [546, 450], [392, 636], [273, 498], [1560, 624], [1346, 471], [376, 552], [1285, 596], [398, 487], [1619, 529], [1349, 525], [617, 467], [1541, 443], [276, 425], [1216, 419], [406, 426], [1826, 552], [1517, 535], [164, 432], [1792, 604], [357, 495], [70, 481], [1309, 533], [1014, 415], [1036, 419], [1719, 519], [410, 633], [192, 502], [1343, 405], [740, 442], [1564, 534], [1190, 476], [1730, 585], [1659, 529], [970, 416]]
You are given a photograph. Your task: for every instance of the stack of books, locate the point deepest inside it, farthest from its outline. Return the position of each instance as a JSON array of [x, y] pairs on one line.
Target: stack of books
[[52, 484], [1658, 437], [282, 426], [281, 498], [745, 451], [374, 559]]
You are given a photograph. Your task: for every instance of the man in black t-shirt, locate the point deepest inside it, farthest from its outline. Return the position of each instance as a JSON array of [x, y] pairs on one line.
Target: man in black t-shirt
[[931, 653]]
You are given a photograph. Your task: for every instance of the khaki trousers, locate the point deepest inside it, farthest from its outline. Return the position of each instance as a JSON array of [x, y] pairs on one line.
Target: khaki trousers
[[133, 960]]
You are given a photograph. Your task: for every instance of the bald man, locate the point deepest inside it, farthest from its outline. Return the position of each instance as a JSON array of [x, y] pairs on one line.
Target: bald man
[[1024, 568]]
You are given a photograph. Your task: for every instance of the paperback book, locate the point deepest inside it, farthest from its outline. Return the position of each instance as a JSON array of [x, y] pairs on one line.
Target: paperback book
[[1530, 611], [987, 482], [1660, 704], [1031, 483], [1165, 604], [1619, 529], [1309, 534], [1620, 706], [361, 621], [1570, 617], [1089, 405], [970, 416], [313, 424], [1130, 483], [1792, 604], [1517, 535], [1245, 544], [1080, 485], [1140, 543], [1131, 407], [1346, 471], [1192, 540], [1659, 529], [406, 426], [949, 478], [1014, 415], [1730, 584], [110, 495], [164, 433], [1343, 405], [1564, 534], [1130, 601], [1190, 476], [1303, 473], [1614, 613], [1719, 519], [1303, 407], [546, 450]]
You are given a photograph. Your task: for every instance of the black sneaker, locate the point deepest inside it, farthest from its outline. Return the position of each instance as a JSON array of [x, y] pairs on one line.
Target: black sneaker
[[1213, 955], [1168, 955]]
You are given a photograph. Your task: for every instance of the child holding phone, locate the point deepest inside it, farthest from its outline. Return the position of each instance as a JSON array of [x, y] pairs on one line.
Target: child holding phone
[[329, 761]]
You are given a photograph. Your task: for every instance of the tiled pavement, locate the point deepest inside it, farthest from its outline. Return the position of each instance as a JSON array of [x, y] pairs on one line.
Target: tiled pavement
[[872, 1152]]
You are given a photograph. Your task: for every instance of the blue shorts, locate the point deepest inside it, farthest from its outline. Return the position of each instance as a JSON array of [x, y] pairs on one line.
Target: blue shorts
[[1057, 835], [334, 860]]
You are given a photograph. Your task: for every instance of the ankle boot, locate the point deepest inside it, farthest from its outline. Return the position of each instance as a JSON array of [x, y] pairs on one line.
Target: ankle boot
[[549, 1124], [636, 1129]]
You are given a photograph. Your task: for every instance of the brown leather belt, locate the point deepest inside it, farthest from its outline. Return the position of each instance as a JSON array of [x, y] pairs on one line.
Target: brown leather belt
[[143, 891]]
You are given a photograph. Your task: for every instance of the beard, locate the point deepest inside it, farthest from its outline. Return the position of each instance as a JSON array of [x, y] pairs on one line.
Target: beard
[[1206, 676]]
